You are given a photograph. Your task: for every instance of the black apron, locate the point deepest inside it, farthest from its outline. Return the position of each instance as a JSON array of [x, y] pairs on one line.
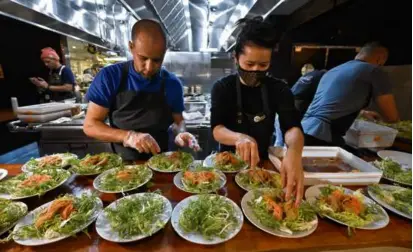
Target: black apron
[[55, 79], [259, 126], [144, 112], [340, 125]]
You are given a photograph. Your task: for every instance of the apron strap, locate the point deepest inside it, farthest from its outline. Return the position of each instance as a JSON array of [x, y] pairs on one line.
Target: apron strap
[[122, 86]]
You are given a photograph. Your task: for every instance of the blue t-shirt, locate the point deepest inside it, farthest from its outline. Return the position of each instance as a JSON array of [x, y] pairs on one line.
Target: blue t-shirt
[[66, 75], [105, 86], [343, 90]]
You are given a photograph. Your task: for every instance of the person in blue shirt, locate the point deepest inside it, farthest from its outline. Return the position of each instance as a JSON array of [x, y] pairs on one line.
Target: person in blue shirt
[[140, 98], [61, 81], [303, 90], [342, 94]]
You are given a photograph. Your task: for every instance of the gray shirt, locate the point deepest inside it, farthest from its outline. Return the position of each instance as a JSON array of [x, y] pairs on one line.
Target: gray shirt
[[344, 90]]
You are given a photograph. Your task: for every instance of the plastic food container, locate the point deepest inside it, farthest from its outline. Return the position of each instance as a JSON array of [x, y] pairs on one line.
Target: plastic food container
[[364, 134], [36, 118], [367, 174]]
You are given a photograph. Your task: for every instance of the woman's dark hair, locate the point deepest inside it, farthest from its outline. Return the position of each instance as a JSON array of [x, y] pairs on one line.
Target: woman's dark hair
[[255, 31]]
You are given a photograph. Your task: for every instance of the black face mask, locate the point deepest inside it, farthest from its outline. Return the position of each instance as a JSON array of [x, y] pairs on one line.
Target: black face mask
[[251, 78]]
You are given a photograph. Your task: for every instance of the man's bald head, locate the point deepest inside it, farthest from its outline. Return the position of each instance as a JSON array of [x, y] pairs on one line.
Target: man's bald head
[[148, 28], [374, 53], [148, 47]]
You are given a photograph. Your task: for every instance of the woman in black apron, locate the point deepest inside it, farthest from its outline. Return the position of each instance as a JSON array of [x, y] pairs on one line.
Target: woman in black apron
[[244, 122]]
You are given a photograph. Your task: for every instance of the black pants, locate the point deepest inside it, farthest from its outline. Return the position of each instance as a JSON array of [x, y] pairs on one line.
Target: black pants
[[309, 140]]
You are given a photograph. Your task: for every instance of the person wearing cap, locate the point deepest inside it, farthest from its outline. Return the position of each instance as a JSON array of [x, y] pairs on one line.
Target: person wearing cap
[[140, 98], [244, 104], [61, 81]]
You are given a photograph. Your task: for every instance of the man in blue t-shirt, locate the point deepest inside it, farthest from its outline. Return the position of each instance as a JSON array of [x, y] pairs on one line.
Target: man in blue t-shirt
[[342, 94], [141, 99], [61, 81]]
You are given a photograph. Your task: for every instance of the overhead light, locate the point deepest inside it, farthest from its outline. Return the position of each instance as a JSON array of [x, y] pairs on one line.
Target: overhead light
[[74, 47], [116, 59], [209, 50], [298, 49], [215, 2]]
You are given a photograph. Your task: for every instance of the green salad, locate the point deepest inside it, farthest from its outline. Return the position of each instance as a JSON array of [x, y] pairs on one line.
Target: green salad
[[210, 215], [37, 183], [393, 170], [66, 215], [135, 216], [95, 164], [171, 162], [404, 128], [54, 161], [272, 211], [202, 180], [228, 162], [258, 178], [124, 178], [10, 212], [349, 209], [400, 199]]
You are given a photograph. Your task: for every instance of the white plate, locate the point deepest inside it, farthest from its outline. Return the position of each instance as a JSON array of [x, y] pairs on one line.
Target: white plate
[[313, 192], [404, 159], [30, 218], [65, 159], [247, 188], [11, 197], [164, 171], [195, 237], [249, 196], [384, 204], [99, 172], [178, 181], [96, 181], [3, 173], [210, 162], [21, 205], [104, 229]]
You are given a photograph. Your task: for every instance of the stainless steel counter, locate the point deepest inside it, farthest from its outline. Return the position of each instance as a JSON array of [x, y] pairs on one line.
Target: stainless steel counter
[[69, 137]]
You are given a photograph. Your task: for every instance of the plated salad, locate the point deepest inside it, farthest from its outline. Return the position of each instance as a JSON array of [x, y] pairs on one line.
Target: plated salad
[[171, 161], [228, 162], [10, 213], [56, 220], [138, 215], [394, 171], [123, 179], [348, 208], [397, 197], [202, 180], [96, 164], [258, 178], [55, 161], [211, 216], [32, 184], [270, 209]]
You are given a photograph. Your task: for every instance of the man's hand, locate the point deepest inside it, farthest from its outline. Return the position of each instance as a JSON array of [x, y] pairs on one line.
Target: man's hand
[[247, 149], [371, 115], [142, 142], [42, 83], [187, 139], [292, 176]]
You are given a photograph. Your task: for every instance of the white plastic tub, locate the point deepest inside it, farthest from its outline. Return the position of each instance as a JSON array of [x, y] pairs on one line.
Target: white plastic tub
[[368, 173], [363, 134], [36, 118]]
